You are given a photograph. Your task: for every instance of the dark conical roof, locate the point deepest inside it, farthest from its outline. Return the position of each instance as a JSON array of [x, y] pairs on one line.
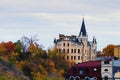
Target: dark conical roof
[[83, 29]]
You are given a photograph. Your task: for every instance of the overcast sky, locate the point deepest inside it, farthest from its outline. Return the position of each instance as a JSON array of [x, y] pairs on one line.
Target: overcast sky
[[49, 18]]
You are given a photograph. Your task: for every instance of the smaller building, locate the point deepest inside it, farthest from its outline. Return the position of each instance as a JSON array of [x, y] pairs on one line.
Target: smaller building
[[85, 71], [116, 68], [106, 69], [117, 76], [117, 51]]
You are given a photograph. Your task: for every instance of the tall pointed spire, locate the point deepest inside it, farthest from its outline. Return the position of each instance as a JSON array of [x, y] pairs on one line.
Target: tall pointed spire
[[83, 29]]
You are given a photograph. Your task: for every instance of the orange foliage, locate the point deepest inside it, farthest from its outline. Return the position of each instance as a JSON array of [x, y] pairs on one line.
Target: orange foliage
[[109, 50], [32, 48], [10, 47], [2, 49]]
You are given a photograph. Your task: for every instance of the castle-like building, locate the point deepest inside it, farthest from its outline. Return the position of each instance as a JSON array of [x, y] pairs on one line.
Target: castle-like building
[[77, 49]]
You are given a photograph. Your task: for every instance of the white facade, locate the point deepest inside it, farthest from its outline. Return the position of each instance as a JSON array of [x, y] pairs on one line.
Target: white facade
[[106, 69]]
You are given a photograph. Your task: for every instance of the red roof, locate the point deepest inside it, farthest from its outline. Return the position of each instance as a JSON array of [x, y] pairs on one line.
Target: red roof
[[89, 64]]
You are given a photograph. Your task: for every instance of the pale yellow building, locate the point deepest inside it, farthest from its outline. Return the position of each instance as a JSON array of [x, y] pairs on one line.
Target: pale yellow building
[[77, 48], [117, 51]]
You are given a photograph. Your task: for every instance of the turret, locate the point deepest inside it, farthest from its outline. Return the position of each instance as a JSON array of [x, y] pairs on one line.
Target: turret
[[83, 34], [94, 40]]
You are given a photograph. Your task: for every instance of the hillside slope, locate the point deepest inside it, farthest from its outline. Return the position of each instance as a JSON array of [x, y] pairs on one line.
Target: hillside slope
[[8, 70]]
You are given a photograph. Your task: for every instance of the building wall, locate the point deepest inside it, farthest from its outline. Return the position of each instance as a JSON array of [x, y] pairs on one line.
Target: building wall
[[106, 69], [74, 52], [117, 51], [116, 66]]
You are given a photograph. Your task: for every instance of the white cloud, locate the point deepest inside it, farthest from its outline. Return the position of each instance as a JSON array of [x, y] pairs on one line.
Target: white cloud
[[62, 6]]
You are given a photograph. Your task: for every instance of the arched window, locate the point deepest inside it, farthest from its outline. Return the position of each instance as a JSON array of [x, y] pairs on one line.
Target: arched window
[[81, 72], [106, 70], [106, 78]]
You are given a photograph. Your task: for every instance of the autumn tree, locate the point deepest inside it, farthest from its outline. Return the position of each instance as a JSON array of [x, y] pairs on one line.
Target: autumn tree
[[61, 65], [27, 41], [43, 63], [100, 54], [32, 48], [18, 46], [109, 50], [2, 49], [9, 46]]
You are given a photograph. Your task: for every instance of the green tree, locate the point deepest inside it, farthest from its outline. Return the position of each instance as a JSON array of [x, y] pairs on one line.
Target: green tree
[[18, 46], [61, 65]]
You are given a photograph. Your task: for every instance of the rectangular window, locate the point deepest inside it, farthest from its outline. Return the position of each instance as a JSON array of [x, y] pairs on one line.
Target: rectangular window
[[71, 50], [78, 50], [78, 57], [63, 44], [67, 57], [106, 62], [74, 57], [63, 50], [68, 44], [71, 57], [59, 50], [67, 50], [74, 50]]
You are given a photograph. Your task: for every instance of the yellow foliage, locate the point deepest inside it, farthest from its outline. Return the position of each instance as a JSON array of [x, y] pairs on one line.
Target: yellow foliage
[[32, 48], [38, 74], [20, 64], [5, 58], [61, 72], [109, 50], [2, 49], [54, 70], [51, 64]]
